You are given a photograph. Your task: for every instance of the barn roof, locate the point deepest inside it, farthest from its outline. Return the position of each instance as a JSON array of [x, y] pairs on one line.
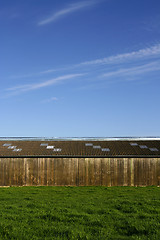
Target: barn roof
[[84, 147]]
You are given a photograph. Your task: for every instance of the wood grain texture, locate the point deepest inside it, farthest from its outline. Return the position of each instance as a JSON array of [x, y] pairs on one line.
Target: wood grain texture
[[79, 171]]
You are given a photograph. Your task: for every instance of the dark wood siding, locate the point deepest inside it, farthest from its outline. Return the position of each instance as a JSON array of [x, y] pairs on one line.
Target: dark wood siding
[[79, 171]]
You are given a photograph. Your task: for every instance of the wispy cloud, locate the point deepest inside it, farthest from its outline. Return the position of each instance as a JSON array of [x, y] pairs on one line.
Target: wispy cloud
[[52, 99], [48, 71], [134, 71], [127, 66], [34, 86], [144, 53], [66, 11]]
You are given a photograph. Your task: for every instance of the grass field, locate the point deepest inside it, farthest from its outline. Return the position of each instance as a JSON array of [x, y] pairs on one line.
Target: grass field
[[80, 213]]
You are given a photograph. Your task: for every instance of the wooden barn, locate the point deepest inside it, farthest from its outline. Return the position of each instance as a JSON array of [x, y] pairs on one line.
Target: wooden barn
[[79, 162]]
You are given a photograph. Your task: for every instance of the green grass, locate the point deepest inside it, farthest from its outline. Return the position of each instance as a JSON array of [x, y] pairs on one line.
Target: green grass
[[80, 213]]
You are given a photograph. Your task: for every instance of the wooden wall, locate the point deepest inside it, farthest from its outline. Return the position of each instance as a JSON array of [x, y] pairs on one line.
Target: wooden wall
[[80, 171]]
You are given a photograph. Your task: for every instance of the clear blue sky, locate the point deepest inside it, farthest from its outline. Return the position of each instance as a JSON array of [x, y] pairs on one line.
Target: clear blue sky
[[80, 68]]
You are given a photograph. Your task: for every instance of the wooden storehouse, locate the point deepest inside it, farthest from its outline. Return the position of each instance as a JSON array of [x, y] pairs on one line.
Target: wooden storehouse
[[79, 162]]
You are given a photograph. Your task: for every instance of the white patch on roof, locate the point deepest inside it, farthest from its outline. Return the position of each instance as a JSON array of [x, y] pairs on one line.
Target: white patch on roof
[[49, 147], [17, 150], [12, 147], [96, 147], [57, 149], [88, 144], [44, 144], [105, 149], [134, 144], [153, 149], [143, 146]]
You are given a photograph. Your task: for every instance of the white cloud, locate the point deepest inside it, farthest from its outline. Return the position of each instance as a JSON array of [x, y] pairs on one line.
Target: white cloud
[[133, 71], [129, 65], [52, 99], [66, 11], [140, 54], [41, 73], [34, 86]]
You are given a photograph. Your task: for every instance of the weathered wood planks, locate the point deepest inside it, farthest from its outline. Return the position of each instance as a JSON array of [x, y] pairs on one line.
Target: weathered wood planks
[[79, 171]]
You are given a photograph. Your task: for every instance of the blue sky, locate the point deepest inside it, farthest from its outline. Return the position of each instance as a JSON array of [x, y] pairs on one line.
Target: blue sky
[[80, 68]]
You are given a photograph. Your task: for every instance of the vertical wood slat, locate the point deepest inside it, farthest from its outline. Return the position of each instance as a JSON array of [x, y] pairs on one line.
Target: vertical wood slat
[[158, 172], [80, 171], [132, 171]]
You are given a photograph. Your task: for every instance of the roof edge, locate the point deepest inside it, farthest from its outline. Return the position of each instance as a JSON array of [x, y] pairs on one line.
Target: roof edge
[[79, 139], [82, 156]]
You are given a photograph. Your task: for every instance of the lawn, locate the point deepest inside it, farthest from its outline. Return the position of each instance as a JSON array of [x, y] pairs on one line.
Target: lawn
[[80, 213]]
